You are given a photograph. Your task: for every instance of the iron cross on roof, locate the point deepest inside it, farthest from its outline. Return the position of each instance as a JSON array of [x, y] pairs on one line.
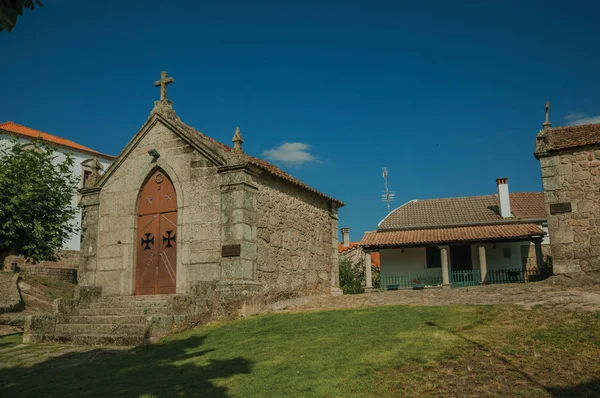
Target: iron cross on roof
[[164, 80]]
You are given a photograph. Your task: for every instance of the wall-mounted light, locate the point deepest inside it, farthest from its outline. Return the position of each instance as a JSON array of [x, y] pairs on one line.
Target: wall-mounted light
[[154, 153], [402, 251]]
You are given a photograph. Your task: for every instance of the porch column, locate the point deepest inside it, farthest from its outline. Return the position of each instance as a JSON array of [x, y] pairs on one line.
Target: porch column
[[368, 277], [445, 271], [537, 242], [482, 264]]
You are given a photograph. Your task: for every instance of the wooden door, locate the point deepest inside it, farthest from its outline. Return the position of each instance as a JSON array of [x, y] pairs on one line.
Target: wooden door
[[156, 260]]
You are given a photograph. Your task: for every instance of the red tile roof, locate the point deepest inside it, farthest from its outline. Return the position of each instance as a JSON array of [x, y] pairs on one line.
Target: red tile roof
[[572, 136], [447, 235], [375, 257], [464, 211], [23, 131], [342, 248], [262, 164]]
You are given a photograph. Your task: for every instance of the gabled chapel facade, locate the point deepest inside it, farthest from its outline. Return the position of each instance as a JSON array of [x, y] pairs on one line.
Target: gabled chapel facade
[[198, 211], [190, 225]]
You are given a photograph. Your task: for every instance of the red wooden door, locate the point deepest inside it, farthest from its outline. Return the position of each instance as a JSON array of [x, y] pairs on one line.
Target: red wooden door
[[156, 260]]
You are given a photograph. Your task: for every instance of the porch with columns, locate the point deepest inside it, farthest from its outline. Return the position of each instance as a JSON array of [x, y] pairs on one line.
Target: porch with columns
[[479, 265]]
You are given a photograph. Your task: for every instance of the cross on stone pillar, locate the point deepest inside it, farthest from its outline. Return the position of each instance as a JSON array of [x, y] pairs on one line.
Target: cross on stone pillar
[[164, 80]]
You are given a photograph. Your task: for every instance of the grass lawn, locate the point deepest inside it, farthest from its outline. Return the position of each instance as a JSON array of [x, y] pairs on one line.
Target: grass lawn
[[386, 351], [41, 292]]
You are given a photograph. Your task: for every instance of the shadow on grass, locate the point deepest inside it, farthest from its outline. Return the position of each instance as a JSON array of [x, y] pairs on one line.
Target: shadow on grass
[[176, 368], [588, 389]]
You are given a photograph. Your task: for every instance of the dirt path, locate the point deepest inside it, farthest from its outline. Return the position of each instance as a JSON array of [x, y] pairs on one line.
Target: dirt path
[[568, 294]]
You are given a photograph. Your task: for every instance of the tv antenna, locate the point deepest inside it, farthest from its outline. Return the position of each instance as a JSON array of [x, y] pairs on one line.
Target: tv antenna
[[387, 196]]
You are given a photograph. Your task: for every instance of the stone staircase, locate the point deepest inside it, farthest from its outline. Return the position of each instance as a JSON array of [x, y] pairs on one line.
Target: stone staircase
[[121, 321]]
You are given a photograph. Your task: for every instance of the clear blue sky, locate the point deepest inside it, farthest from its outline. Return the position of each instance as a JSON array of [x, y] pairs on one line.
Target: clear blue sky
[[447, 96]]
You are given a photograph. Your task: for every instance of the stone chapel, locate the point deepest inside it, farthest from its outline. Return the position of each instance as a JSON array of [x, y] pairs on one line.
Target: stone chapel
[[181, 216]]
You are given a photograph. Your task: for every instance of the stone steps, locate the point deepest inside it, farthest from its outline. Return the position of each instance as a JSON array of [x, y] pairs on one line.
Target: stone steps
[[124, 299], [87, 339], [102, 319], [123, 321], [127, 329], [154, 304], [122, 311]]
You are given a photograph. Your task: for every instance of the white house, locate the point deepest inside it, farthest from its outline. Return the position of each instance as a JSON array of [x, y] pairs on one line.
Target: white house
[[462, 241], [83, 156]]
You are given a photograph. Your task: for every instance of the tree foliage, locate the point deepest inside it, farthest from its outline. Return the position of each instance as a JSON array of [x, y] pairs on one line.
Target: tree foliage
[[352, 277], [36, 207], [11, 9]]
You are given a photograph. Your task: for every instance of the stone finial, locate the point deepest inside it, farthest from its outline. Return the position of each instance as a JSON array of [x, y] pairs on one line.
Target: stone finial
[[237, 141], [547, 123], [96, 168]]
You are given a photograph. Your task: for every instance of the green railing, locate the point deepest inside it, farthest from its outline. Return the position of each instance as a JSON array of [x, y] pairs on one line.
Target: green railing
[[430, 277], [465, 278]]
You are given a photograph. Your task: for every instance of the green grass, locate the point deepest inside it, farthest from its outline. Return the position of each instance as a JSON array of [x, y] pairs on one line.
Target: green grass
[[386, 351]]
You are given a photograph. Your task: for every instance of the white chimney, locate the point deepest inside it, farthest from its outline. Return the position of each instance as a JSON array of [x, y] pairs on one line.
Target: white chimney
[[346, 237], [503, 197]]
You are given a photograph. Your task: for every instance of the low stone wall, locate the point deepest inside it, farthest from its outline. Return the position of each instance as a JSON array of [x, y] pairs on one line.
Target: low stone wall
[[65, 274], [12, 301], [68, 259]]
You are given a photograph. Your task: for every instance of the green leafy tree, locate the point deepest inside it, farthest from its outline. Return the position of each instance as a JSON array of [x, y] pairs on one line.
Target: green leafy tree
[[36, 192], [11, 9]]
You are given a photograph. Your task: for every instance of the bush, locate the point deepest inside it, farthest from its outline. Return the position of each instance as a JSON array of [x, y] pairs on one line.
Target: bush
[[376, 276], [352, 277]]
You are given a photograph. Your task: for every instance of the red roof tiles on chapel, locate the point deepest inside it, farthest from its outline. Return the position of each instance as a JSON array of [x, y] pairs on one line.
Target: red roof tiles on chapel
[[262, 164]]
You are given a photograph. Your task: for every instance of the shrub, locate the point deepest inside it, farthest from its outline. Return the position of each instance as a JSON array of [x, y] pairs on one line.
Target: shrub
[[352, 277]]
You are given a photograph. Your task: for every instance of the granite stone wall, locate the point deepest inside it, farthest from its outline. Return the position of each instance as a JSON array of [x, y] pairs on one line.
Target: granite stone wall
[[295, 246], [283, 238], [111, 264], [571, 178], [355, 255], [67, 259]]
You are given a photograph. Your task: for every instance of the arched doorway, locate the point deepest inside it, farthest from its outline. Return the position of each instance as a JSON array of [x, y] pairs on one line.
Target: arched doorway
[[156, 260]]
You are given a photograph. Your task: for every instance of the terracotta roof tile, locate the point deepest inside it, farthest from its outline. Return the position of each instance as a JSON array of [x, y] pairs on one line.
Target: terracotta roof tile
[[262, 164], [572, 136], [342, 248], [20, 130], [464, 211], [447, 235], [375, 257]]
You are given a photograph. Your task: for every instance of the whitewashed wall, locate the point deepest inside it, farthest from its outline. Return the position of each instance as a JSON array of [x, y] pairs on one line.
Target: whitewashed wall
[[495, 256], [394, 261], [77, 170]]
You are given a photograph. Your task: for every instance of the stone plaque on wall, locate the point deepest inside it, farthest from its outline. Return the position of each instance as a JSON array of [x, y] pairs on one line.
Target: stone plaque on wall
[[231, 250], [556, 208]]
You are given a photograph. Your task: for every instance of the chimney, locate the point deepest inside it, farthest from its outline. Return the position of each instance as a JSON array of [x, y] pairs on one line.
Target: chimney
[[346, 237], [503, 197]]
